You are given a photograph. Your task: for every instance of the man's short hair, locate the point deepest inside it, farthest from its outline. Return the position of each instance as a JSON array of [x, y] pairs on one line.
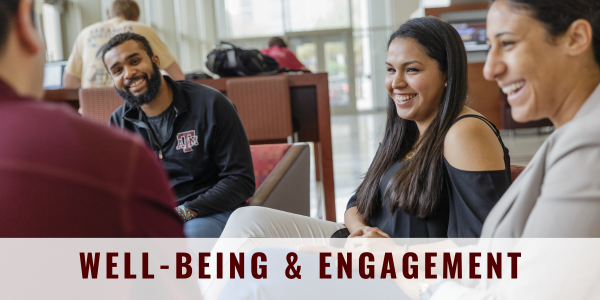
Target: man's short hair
[[126, 9], [8, 9], [277, 41], [124, 37]]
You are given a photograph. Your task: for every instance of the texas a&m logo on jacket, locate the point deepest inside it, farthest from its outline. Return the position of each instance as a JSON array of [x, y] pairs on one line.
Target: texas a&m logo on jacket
[[186, 140]]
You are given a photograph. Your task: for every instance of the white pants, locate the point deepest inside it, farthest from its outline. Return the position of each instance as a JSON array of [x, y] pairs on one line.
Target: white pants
[[247, 225], [262, 222]]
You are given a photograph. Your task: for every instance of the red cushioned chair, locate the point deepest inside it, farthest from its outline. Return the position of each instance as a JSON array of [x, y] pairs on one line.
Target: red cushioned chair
[[99, 103], [515, 171], [282, 174]]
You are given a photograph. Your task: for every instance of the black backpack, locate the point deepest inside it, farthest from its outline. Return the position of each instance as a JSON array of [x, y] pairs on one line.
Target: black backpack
[[227, 60]]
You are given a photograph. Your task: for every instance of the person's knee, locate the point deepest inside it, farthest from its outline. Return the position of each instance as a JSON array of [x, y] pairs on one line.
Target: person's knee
[[250, 212], [243, 219]]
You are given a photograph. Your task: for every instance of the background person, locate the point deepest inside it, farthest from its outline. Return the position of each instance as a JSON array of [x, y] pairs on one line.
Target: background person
[[61, 175], [278, 50], [85, 68], [194, 129]]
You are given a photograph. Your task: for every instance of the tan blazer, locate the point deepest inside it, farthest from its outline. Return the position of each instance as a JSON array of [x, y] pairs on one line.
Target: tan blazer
[[558, 194]]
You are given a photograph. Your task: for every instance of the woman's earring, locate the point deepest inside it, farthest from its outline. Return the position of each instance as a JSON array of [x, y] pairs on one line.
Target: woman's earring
[[446, 85]]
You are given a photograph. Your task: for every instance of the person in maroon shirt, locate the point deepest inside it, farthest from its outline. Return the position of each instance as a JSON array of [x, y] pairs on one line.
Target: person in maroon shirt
[[61, 175], [285, 57]]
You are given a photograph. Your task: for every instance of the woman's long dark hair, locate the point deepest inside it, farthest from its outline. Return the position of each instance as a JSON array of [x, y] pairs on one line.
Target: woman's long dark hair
[[558, 15], [417, 188]]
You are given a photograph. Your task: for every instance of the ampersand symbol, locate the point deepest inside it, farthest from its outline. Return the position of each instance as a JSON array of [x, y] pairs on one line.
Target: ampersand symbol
[[290, 271]]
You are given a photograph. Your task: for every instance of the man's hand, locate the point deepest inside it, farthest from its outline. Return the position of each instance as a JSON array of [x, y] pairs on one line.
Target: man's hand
[[185, 213]]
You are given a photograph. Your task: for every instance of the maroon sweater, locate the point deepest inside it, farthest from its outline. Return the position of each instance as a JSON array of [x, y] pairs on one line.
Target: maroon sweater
[[63, 176]]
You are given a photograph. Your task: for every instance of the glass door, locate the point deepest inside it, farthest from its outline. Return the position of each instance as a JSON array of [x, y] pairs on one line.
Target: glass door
[[330, 52], [336, 67]]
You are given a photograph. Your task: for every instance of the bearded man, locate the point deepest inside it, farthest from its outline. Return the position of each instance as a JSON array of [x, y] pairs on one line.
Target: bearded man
[[194, 129]]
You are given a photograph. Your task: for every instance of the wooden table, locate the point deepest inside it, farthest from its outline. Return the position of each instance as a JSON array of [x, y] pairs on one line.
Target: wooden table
[[70, 97], [309, 94]]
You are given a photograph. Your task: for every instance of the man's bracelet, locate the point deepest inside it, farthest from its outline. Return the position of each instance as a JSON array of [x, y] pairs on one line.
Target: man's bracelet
[[184, 213]]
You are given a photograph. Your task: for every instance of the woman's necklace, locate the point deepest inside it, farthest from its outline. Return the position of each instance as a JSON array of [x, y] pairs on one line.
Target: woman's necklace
[[410, 154], [412, 151]]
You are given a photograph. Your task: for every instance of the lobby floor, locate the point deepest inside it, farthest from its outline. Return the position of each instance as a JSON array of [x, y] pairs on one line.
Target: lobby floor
[[355, 141]]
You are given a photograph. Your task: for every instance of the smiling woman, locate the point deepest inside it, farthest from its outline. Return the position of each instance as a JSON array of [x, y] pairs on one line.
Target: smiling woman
[[441, 166], [428, 170], [553, 85]]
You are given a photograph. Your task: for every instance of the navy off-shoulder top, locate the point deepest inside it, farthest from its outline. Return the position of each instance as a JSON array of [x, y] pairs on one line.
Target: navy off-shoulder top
[[468, 198]]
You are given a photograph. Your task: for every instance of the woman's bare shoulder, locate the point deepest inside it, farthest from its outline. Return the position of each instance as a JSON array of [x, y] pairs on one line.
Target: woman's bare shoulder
[[471, 145]]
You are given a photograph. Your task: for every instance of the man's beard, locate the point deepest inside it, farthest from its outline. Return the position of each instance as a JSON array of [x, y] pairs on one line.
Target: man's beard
[[152, 88]]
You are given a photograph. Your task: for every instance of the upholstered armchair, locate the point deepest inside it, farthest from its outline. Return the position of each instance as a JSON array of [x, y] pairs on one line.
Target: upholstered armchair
[[282, 174]]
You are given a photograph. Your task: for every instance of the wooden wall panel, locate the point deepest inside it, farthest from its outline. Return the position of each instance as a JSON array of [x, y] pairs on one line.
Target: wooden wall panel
[[484, 96]]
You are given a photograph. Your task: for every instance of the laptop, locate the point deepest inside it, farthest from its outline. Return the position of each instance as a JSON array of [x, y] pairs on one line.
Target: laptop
[[53, 75]]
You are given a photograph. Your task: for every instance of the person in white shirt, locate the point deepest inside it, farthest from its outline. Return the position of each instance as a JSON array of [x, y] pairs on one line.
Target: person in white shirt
[[85, 68]]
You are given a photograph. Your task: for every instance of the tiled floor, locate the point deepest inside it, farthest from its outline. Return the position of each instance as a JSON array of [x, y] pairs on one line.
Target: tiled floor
[[355, 140]]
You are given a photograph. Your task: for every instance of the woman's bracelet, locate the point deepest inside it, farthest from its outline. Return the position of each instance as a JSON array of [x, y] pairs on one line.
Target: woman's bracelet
[[184, 213]]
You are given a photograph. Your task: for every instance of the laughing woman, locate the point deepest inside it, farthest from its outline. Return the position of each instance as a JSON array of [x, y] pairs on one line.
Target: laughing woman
[[441, 166]]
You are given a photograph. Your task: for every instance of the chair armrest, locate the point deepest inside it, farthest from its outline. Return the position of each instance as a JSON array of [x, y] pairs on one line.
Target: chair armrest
[[287, 188]]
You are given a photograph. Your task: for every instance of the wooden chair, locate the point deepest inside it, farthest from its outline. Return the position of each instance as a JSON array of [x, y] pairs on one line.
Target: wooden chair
[[264, 106]]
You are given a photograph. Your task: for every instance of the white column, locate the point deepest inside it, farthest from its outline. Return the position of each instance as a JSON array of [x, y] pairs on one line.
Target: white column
[[52, 32], [206, 29]]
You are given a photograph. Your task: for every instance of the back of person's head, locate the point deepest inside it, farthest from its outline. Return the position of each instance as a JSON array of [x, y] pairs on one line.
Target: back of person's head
[[22, 54], [558, 15], [277, 41], [8, 9], [126, 9], [417, 187]]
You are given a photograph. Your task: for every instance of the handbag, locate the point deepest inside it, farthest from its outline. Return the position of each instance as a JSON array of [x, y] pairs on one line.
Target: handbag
[[228, 60]]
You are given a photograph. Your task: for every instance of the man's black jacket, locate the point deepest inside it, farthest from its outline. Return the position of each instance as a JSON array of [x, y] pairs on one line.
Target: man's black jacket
[[207, 155]]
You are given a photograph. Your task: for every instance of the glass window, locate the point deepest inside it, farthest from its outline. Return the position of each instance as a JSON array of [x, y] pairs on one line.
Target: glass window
[[307, 55], [363, 83], [253, 18], [337, 72], [307, 15], [436, 3]]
